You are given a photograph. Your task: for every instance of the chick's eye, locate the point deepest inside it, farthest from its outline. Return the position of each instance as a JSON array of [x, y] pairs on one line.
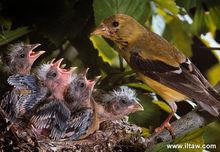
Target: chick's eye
[[54, 74], [22, 55], [115, 24], [123, 101], [81, 84]]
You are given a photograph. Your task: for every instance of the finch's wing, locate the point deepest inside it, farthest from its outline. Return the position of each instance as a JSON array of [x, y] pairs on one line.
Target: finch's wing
[[185, 79], [79, 123], [31, 92], [52, 116]]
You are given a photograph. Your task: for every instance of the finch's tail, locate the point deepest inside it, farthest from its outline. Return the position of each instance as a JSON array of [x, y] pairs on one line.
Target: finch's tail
[[213, 110]]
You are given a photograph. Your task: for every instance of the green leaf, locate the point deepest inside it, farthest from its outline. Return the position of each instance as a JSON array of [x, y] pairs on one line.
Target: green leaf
[[112, 80], [5, 22], [199, 25], [194, 134], [214, 7], [206, 17], [190, 140], [140, 86], [11, 35], [169, 5], [135, 8], [187, 4], [177, 33], [210, 23], [162, 105], [161, 147], [145, 132], [211, 135], [151, 115], [213, 74], [106, 52]]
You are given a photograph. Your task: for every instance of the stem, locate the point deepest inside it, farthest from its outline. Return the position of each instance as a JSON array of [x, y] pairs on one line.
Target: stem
[[121, 63]]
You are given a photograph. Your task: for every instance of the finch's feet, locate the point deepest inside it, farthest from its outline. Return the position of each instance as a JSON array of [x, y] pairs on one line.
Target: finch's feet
[[165, 125]]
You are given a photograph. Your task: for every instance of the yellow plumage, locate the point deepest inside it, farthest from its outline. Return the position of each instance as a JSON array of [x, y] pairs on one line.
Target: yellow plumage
[[159, 64]]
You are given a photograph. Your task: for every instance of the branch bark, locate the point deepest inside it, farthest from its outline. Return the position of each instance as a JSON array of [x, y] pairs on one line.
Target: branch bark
[[191, 121]]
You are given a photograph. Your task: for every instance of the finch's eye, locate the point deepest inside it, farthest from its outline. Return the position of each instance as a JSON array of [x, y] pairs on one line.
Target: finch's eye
[[22, 55], [115, 24]]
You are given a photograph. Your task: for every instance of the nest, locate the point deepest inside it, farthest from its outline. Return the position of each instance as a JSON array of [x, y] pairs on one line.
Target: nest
[[117, 135]]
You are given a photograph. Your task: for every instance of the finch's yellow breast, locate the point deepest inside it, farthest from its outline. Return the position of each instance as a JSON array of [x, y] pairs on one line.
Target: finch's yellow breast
[[166, 93]]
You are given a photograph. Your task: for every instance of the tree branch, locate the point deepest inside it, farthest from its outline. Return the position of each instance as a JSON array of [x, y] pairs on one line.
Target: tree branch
[[191, 121]]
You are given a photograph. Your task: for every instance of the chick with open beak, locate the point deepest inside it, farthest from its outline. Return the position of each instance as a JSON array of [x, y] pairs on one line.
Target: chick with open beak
[[21, 57], [43, 107], [19, 60], [56, 78], [49, 80], [78, 98], [79, 90]]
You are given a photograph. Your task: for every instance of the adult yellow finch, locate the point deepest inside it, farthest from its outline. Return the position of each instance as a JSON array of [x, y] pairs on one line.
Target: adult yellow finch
[[159, 64]]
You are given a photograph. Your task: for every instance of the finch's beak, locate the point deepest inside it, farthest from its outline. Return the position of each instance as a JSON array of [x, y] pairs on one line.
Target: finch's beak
[[34, 55], [101, 30], [136, 106]]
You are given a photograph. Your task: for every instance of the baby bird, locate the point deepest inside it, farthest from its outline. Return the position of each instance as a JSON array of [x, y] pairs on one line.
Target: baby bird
[[55, 78], [43, 107], [110, 106], [74, 110], [78, 98], [50, 79], [79, 90], [19, 60], [117, 104]]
